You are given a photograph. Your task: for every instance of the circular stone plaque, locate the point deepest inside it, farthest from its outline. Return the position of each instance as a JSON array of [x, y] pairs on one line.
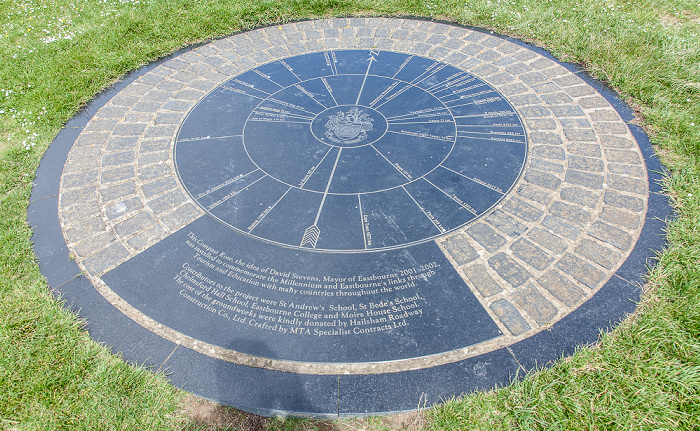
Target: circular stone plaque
[[349, 216]]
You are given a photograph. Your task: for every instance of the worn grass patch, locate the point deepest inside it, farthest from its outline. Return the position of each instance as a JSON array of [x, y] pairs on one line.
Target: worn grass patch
[[55, 55]]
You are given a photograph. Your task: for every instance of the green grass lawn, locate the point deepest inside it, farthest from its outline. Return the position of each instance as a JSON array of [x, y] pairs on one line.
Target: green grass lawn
[[57, 54]]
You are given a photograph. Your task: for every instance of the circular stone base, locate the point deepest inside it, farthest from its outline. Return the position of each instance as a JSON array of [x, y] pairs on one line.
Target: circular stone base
[[349, 216]]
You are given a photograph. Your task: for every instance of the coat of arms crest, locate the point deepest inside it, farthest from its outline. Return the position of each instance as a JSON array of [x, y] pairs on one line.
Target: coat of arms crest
[[348, 127]]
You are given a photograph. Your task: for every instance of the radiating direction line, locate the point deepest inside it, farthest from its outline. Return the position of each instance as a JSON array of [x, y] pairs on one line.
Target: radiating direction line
[[311, 171], [492, 139], [402, 66], [492, 114], [290, 69], [312, 233], [291, 105], [458, 78], [476, 180], [225, 183], [431, 217], [251, 86], [267, 211], [454, 198], [431, 70], [362, 220], [422, 113], [236, 90], [422, 135], [370, 60], [329, 89], [398, 167], [232, 194], [309, 95], [478, 102], [330, 61], [393, 96], [204, 138], [268, 78]]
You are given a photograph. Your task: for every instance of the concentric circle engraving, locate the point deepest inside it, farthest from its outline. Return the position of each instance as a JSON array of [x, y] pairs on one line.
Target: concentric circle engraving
[[405, 148]]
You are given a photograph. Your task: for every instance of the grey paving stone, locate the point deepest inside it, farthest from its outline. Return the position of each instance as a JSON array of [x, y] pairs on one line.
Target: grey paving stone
[[102, 260], [545, 88], [575, 123], [619, 217], [460, 250], [561, 288], [138, 222], [509, 270], [584, 149], [563, 111], [548, 152], [619, 200], [581, 270], [581, 135], [75, 196], [154, 145], [158, 186], [593, 102], [129, 129], [482, 281], [541, 123], [534, 194], [634, 171], [561, 227], [623, 156], [611, 235], [585, 179], [180, 216], [544, 165], [121, 143], [531, 254], [80, 211], [521, 99], [595, 252], [547, 138], [84, 229], [604, 115], [123, 207], [151, 158], [85, 153], [117, 191], [616, 128], [548, 240], [627, 184], [580, 90], [486, 236], [80, 179], [115, 159], [531, 78], [579, 196], [154, 171], [543, 179], [571, 213], [167, 202], [510, 317], [90, 139], [559, 98], [513, 89], [117, 174], [611, 141], [535, 305], [585, 163], [143, 239], [100, 125], [523, 210], [506, 223], [93, 244], [534, 111]]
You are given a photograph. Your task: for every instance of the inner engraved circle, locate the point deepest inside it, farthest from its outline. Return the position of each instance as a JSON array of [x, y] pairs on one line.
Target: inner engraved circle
[[349, 126]]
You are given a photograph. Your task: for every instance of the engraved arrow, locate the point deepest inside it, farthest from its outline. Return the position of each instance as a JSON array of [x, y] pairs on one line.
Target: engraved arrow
[[370, 59], [312, 233]]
